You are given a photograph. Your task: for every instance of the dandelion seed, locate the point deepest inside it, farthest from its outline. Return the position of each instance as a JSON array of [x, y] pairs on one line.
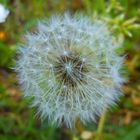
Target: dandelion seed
[[74, 74]]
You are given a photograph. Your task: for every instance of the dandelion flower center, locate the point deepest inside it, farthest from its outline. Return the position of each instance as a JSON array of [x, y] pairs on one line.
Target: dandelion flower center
[[70, 69]]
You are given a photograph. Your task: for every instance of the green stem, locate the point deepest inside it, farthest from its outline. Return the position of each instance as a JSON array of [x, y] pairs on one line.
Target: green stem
[[101, 126]]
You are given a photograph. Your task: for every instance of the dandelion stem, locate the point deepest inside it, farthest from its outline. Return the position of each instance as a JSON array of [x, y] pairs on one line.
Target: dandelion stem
[[79, 126], [101, 126]]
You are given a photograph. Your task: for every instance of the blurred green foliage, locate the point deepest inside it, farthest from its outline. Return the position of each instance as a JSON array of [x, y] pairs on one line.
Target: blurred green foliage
[[17, 121]]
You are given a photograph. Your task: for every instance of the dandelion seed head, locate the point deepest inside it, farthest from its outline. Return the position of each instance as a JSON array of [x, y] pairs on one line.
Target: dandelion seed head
[[71, 69]]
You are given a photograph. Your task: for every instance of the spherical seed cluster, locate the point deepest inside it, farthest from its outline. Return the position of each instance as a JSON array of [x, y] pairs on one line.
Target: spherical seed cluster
[[70, 68]]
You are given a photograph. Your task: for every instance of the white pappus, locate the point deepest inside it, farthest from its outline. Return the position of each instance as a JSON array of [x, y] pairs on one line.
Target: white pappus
[[70, 68]]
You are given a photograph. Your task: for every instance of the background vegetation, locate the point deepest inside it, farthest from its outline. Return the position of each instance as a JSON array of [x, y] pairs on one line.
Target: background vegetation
[[18, 121]]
